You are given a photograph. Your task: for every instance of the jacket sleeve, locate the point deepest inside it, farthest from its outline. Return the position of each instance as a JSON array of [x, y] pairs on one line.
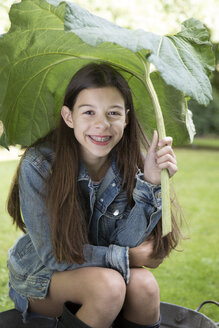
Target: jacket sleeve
[[32, 193], [140, 220]]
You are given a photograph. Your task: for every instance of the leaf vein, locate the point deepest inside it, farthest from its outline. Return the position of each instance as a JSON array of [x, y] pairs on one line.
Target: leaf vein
[[180, 58], [159, 46]]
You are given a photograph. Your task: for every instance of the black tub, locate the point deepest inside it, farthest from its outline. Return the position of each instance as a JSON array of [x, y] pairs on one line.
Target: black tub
[[173, 316]]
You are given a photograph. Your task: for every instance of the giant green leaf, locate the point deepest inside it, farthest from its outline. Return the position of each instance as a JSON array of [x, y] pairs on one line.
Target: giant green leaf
[[50, 40], [38, 58]]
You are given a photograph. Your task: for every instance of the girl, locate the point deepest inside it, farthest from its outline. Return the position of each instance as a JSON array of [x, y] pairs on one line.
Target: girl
[[89, 205]]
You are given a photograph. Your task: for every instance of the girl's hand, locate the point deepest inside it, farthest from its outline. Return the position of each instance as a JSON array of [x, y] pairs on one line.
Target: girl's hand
[[158, 159], [141, 255]]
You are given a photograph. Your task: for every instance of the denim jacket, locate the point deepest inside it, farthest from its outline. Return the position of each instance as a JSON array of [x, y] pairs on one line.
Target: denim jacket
[[113, 225]]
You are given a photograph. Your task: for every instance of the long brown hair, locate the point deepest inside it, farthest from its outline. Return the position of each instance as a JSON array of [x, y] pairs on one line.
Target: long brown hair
[[67, 217]]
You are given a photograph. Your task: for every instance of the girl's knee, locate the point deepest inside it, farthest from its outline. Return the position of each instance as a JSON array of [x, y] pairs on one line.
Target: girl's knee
[[142, 303], [143, 282], [106, 297], [110, 288]]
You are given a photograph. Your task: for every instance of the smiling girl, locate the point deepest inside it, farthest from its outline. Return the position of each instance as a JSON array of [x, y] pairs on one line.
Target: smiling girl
[[89, 205]]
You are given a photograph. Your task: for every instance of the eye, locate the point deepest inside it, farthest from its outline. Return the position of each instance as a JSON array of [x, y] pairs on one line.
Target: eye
[[89, 112], [114, 113]]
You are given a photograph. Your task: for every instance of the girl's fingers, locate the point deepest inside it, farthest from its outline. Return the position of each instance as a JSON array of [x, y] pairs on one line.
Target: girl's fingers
[[167, 141], [154, 142], [171, 167], [166, 158], [165, 150]]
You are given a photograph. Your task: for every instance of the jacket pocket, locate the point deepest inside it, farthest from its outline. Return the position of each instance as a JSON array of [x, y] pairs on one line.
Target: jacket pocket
[[22, 258], [117, 208]]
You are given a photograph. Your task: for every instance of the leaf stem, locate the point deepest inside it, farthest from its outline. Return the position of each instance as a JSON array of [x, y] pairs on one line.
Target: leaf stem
[[165, 185]]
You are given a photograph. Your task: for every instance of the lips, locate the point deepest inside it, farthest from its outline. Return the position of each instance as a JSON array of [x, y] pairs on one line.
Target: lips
[[100, 140]]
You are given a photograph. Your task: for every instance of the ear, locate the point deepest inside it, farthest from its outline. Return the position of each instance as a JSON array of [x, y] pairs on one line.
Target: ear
[[67, 116]]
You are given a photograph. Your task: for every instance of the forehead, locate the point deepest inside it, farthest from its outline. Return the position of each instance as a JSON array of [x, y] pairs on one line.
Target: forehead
[[107, 95]]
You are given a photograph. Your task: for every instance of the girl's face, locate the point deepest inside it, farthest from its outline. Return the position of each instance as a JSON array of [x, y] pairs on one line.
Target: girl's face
[[98, 119]]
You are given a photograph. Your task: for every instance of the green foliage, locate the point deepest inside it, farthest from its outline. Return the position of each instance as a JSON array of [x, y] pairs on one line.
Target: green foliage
[[208, 122], [38, 59], [165, 15]]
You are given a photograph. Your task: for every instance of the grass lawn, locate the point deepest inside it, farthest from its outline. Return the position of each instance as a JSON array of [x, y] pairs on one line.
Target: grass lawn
[[8, 234], [210, 142], [186, 278]]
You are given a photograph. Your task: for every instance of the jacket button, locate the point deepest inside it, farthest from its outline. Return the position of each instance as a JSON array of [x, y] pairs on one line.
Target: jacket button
[[101, 199], [116, 212], [113, 184]]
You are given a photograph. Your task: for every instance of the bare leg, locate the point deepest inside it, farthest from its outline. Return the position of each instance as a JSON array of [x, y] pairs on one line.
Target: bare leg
[[142, 303], [100, 291]]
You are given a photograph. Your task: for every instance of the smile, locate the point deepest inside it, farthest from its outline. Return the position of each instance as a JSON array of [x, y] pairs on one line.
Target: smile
[[100, 140]]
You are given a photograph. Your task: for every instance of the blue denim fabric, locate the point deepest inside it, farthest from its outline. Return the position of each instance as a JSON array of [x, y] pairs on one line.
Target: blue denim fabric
[[21, 304], [113, 225]]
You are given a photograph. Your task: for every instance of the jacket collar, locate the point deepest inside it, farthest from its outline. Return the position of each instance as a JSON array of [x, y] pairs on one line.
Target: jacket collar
[[112, 173], [83, 173]]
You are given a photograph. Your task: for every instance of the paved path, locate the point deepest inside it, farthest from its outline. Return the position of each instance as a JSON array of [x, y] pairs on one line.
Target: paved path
[[13, 153]]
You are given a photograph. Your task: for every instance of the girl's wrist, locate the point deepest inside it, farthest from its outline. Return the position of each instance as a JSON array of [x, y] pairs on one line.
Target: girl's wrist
[[130, 257], [151, 181]]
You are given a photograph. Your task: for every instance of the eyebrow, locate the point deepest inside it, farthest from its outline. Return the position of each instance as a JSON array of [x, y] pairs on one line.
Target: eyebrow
[[120, 107], [117, 106], [87, 105]]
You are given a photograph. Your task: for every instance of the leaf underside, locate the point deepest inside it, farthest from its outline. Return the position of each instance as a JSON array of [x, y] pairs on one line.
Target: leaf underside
[[50, 40]]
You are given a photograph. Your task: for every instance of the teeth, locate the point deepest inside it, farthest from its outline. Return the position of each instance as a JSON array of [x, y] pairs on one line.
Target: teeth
[[101, 139]]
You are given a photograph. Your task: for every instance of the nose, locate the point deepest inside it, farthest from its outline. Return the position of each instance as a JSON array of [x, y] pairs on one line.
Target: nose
[[101, 121]]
